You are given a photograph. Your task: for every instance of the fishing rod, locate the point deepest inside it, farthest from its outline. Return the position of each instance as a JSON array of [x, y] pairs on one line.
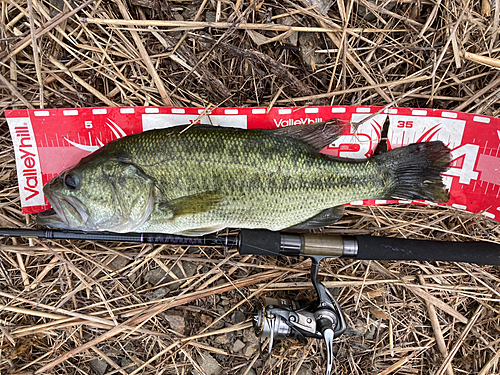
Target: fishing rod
[[264, 242], [283, 319]]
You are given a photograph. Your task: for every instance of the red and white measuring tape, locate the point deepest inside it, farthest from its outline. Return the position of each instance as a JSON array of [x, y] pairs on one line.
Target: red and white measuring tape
[[48, 141]]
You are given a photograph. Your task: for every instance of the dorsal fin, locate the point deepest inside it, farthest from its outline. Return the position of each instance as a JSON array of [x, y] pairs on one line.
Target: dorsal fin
[[318, 135]]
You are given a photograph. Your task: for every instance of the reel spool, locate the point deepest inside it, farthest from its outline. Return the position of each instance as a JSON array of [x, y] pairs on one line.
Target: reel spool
[[284, 319]]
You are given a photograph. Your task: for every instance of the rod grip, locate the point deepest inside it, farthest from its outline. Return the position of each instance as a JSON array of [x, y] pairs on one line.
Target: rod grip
[[387, 248], [260, 242]]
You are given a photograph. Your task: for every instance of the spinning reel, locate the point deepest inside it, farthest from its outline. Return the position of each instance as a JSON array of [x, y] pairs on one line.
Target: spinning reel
[[283, 319]]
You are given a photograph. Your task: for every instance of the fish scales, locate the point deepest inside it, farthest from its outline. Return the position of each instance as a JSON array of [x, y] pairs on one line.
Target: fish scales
[[200, 179], [280, 185]]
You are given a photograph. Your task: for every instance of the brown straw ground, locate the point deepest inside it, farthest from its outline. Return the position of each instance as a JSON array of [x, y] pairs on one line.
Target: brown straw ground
[[94, 308]]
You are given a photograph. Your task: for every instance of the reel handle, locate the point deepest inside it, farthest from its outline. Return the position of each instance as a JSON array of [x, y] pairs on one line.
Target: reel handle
[[325, 326]]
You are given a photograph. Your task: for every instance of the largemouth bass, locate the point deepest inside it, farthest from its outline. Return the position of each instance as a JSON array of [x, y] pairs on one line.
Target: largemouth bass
[[194, 180]]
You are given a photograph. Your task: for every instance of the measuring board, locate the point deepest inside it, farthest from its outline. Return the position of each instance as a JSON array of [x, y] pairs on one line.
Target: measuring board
[[47, 142]]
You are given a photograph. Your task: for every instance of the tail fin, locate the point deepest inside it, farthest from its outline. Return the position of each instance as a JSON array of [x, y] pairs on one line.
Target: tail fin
[[415, 171]]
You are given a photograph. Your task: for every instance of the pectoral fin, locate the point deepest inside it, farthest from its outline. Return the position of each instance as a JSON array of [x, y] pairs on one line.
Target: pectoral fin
[[191, 204], [326, 217]]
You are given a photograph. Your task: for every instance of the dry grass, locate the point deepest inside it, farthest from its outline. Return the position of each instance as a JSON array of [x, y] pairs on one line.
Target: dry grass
[[64, 304]]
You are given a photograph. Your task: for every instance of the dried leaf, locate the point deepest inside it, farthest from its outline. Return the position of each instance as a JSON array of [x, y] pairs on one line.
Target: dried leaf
[[379, 314], [485, 8]]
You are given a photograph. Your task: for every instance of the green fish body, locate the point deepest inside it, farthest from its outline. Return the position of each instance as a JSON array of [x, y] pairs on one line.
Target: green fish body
[[199, 179]]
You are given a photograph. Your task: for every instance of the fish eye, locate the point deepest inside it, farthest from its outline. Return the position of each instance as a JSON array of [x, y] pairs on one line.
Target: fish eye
[[71, 181]]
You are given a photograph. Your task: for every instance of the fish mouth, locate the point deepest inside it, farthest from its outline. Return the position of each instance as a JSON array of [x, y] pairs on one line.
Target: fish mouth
[[66, 213]]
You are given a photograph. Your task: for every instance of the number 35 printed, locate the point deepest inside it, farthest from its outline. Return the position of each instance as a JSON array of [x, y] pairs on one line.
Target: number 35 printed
[[405, 124]]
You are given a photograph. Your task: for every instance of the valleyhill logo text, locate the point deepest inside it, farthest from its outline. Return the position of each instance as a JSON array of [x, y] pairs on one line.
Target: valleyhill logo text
[[29, 174], [290, 121], [29, 162]]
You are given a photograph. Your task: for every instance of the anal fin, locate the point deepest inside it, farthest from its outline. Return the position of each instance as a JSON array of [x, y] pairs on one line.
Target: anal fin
[[324, 218]]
